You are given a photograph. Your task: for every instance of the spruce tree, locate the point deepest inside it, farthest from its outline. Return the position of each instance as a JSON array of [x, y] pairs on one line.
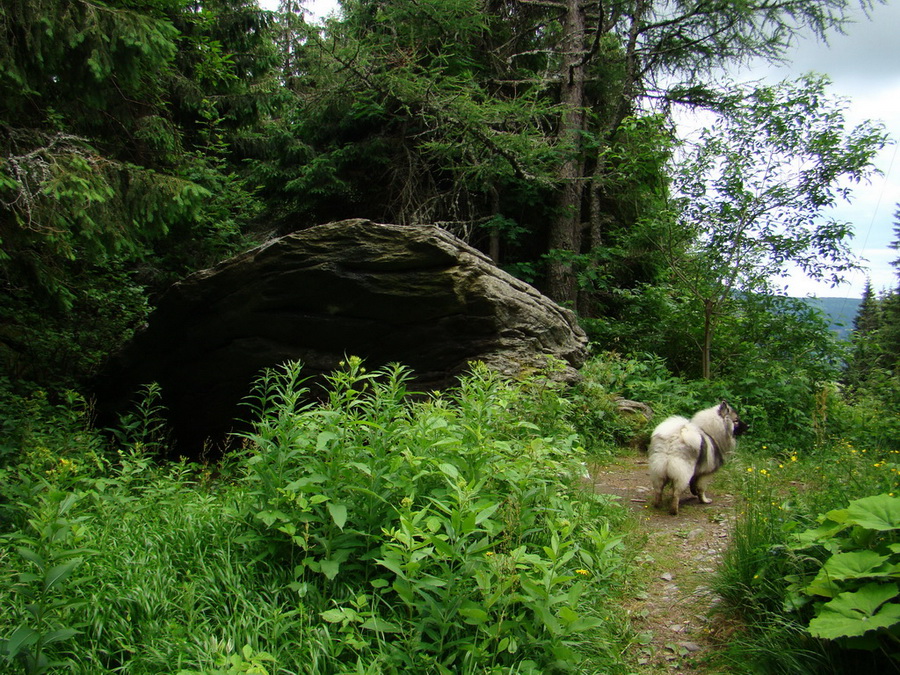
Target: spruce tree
[[868, 317], [889, 339], [119, 130]]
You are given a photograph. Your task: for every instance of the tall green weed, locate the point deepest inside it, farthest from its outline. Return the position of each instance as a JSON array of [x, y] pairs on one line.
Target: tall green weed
[[442, 535], [379, 532]]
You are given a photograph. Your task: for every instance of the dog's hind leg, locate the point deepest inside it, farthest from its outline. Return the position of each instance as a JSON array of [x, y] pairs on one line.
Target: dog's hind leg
[[679, 485], [659, 484], [698, 487]]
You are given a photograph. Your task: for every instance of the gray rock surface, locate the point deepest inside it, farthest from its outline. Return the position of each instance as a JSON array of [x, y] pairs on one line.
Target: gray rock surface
[[386, 293]]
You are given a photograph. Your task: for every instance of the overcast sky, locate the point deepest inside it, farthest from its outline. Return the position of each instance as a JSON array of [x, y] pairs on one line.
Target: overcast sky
[[864, 67]]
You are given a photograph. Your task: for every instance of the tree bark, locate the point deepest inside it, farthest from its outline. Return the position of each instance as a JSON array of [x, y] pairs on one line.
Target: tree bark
[[494, 243], [564, 240], [709, 309]]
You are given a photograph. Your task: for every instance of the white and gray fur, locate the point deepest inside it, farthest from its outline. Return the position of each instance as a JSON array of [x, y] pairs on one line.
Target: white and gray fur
[[686, 453]]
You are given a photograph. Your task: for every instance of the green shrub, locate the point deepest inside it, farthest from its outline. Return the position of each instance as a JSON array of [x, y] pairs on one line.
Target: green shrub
[[377, 533], [865, 420], [439, 536], [43, 441], [855, 591], [769, 566]]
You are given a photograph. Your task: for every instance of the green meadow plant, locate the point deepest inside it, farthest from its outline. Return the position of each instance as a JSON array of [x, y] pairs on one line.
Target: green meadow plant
[[144, 426], [855, 591], [43, 611], [442, 534], [786, 564], [377, 531]]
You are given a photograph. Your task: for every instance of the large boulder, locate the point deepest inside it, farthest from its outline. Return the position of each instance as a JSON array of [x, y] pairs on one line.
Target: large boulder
[[386, 293]]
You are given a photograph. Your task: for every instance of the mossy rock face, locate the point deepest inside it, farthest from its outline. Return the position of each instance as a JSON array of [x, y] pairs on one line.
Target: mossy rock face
[[387, 293]]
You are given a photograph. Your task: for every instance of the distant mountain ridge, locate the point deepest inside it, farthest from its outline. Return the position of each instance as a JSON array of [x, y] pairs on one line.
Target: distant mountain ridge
[[839, 312]]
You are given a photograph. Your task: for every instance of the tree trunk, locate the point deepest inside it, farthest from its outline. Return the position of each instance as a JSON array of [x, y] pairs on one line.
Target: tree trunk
[[706, 349], [494, 242], [564, 239]]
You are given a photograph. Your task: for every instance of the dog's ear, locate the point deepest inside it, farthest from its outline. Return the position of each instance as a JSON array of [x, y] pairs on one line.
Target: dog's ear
[[724, 408]]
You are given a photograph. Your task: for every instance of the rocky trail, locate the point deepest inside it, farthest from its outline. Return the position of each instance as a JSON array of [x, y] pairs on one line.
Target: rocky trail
[[672, 601]]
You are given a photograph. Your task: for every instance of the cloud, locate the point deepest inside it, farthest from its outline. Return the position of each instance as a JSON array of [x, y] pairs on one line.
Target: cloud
[[862, 65], [863, 58]]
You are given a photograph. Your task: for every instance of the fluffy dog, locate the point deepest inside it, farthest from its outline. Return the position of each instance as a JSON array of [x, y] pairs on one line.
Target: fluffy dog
[[686, 453]]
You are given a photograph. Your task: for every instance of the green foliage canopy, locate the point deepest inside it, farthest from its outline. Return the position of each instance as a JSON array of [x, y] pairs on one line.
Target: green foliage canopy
[[753, 196], [118, 131]]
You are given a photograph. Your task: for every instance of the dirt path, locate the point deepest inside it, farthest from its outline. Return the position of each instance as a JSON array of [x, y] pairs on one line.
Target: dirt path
[[672, 602]]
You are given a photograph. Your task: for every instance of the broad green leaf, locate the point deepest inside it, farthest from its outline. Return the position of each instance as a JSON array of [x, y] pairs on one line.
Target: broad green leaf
[[330, 568], [332, 615], [879, 512], [837, 516], [474, 614], [449, 470], [550, 622], [486, 513], [851, 614], [866, 600], [430, 581], [855, 565], [568, 615], [380, 625], [467, 526], [338, 615], [288, 528], [585, 623], [269, 517], [67, 503], [324, 438], [59, 635], [822, 585], [364, 468], [305, 484], [338, 514], [393, 566], [822, 534], [31, 556], [404, 589], [21, 638], [441, 546], [57, 574]]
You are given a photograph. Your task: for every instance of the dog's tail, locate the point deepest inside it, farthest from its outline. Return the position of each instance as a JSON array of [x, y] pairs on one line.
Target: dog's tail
[[675, 446]]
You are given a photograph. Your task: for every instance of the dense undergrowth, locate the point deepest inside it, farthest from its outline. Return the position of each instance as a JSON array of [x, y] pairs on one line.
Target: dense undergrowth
[[373, 534], [380, 532], [811, 573]]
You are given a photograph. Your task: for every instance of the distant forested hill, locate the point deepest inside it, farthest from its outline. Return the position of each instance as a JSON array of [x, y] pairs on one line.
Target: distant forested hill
[[840, 313]]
